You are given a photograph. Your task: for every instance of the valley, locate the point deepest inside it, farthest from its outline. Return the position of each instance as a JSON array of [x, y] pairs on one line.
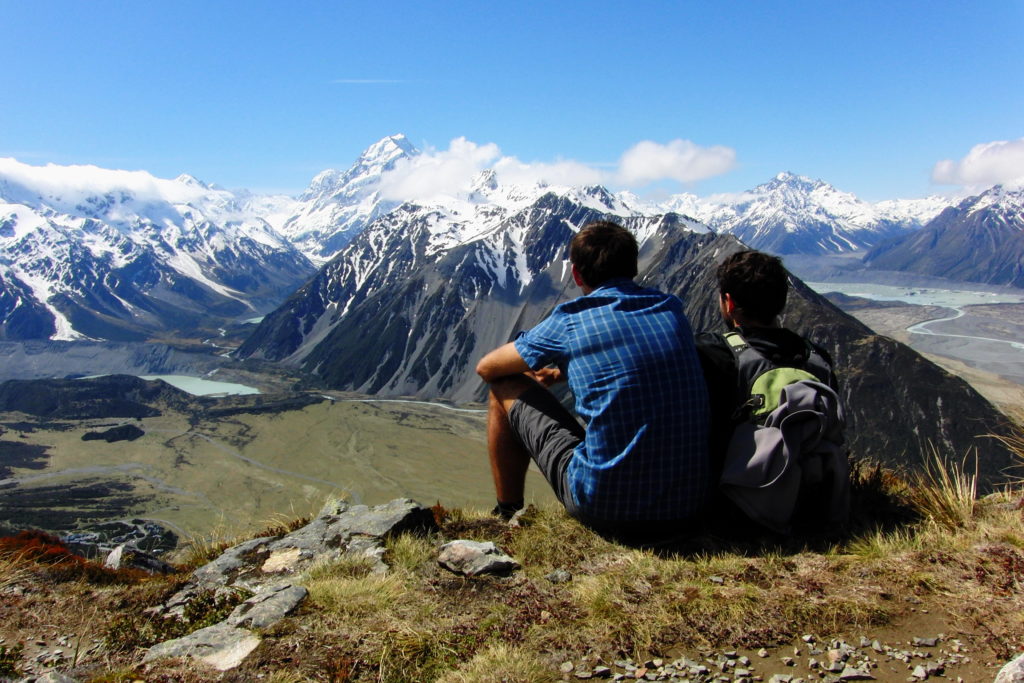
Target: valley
[[233, 469]]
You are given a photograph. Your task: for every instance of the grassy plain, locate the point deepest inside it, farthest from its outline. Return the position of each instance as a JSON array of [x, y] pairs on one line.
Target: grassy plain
[[232, 474]]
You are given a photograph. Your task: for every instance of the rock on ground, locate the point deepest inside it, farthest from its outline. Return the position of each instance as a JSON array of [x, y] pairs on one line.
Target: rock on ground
[[1013, 672], [471, 558]]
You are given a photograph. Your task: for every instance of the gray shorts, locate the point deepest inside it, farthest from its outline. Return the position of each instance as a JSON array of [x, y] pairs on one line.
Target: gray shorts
[[549, 433]]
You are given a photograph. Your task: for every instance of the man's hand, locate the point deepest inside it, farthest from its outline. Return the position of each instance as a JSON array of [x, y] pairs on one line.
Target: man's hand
[[547, 376]]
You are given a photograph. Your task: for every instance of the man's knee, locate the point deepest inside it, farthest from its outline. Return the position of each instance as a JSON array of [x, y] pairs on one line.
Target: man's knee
[[506, 390]]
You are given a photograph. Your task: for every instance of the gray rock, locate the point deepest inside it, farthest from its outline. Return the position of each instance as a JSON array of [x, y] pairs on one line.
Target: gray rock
[[51, 677], [920, 673], [221, 646], [559, 576], [127, 557], [1012, 672], [267, 607], [851, 674], [333, 508], [223, 570], [395, 517], [472, 558]]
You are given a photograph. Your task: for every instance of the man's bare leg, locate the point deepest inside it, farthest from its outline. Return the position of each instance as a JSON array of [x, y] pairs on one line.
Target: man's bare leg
[[509, 460]]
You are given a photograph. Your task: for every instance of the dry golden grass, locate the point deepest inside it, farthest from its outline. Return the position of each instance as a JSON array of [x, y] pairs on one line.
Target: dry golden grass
[[14, 569], [501, 663], [944, 492]]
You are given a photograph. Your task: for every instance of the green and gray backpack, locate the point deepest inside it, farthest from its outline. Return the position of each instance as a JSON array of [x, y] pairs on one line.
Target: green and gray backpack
[[786, 464], [761, 379]]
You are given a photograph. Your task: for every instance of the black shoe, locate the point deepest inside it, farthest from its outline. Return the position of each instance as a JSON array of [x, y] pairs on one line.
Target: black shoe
[[506, 510]]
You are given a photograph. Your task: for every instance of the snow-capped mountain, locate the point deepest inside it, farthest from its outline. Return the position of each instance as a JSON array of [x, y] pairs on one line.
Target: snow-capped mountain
[[94, 253], [410, 305], [793, 214], [979, 240], [338, 204]]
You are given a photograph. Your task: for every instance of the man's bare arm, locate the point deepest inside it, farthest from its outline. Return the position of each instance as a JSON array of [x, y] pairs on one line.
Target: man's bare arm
[[501, 362]]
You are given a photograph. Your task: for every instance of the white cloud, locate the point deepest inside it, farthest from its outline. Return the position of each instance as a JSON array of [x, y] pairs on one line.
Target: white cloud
[[452, 171], [990, 163], [562, 172], [432, 173], [679, 160]]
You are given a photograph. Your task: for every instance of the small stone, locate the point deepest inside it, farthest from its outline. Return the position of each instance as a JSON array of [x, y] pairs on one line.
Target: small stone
[[864, 642], [788, 661], [640, 672], [851, 674], [808, 638], [472, 558], [741, 673], [566, 667], [657, 663], [813, 663], [926, 642], [559, 576], [602, 672], [584, 674], [762, 653], [716, 580], [920, 673], [876, 646]]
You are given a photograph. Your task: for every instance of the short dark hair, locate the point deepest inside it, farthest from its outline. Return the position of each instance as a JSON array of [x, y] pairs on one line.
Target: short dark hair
[[757, 282], [603, 250]]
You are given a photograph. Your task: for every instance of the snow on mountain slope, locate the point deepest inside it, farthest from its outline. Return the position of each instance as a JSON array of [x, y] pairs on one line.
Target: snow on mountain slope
[[337, 205], [98, 253], [794, 214]]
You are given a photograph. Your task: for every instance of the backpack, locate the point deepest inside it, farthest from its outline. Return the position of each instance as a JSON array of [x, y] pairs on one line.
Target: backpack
[[762, 379], [785, 459]]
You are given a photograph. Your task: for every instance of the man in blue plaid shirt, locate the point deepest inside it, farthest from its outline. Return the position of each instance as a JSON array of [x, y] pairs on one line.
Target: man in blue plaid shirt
[[640, 467]]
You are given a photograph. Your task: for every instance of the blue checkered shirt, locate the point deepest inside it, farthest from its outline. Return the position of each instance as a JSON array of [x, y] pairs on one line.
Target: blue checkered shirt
[[629, 356]]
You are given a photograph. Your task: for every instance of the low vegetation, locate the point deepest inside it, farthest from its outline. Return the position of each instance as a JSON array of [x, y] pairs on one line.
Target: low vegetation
[[922, 551]]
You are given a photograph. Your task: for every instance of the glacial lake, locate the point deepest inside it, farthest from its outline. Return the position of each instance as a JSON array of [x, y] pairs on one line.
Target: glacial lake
[[924, 296], [203, 387]]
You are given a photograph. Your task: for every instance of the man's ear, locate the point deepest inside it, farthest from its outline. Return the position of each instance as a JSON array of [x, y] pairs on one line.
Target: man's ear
[[576, 277], [728, 305]]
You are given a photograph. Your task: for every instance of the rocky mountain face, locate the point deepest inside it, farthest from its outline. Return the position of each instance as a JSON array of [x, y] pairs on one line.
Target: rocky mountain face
[[793, 214], [979, 240], [88, 253], [404, 310]]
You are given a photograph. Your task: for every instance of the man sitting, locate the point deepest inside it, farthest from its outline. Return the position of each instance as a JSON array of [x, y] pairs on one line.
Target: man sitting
[[640, 468], [798, 453]]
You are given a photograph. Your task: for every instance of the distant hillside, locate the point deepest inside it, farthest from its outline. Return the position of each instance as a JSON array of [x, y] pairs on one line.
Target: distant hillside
[[979, 240]]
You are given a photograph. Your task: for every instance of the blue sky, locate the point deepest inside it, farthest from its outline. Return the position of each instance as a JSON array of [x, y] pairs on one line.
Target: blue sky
[[869, 96]]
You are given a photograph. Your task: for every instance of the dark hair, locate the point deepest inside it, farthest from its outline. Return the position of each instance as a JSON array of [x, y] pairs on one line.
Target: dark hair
[[603, 250], [757, 282]]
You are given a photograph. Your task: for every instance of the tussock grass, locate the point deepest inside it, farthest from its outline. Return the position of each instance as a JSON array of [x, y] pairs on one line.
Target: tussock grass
[[944, 493], [14, 569], [501, 663], [347, 588]]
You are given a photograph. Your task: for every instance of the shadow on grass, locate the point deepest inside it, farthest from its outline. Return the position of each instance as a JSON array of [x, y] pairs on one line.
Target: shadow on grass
[[878, 503]]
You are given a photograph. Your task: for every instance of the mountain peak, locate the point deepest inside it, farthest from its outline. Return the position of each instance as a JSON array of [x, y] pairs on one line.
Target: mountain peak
[[388, 149], [191, 181], [788, 180]]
